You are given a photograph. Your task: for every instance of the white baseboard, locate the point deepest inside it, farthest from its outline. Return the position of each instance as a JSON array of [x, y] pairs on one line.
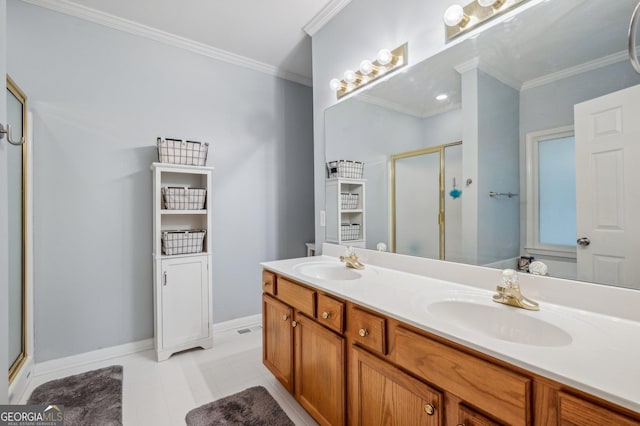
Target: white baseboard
[[55, 365], [244, 322]]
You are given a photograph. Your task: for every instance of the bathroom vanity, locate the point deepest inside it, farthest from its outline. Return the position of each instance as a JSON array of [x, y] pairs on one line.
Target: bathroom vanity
[[406, 347]]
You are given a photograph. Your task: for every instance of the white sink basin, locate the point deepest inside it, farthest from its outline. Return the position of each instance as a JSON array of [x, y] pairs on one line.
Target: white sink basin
[[500, 322], [327, 271]]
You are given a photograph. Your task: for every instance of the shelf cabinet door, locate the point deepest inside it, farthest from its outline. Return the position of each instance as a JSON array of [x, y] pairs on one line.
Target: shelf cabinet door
[[185, 300], [382, 394], [320, 371], [277, 340]]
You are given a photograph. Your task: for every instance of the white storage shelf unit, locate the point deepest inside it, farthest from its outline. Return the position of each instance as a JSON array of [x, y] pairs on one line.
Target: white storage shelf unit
[[345, 217], [182, 282]]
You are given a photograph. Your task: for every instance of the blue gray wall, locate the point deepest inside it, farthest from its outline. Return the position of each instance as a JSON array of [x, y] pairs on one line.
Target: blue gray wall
[[4, 237], [100, 97]]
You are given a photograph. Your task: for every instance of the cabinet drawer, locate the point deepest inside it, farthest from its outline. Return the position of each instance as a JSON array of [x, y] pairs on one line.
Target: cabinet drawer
[[470, 417], [331, 312], [368, 329], [269, 282], [296, 296], [500, 392], [578, 412]]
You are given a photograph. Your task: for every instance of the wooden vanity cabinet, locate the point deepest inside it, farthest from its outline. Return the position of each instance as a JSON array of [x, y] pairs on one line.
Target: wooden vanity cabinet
[[382, 371], [306, 354]]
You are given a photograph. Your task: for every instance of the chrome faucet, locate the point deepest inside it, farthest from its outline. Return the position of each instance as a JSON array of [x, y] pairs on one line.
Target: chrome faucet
[[509, 292], [351, 259]]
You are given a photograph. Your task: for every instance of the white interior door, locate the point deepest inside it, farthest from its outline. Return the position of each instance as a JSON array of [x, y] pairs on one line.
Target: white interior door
[[608, 188]]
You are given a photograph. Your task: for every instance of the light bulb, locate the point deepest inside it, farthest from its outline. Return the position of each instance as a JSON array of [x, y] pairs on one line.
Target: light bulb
[[454, 16], [335, 84], [384, 57], [349, 76], [442, 97], [366, 67], [490, 3]]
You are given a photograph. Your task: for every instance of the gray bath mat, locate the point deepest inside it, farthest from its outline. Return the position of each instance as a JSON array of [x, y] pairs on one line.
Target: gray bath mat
[[251, 407], [91, 398]]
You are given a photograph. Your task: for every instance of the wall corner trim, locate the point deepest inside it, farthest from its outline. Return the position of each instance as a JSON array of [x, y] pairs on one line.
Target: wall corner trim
[[89, 14]]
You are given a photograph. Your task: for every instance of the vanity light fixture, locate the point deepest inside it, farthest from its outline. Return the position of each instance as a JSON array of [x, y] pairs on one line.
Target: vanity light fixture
[[454, 16], [459, 20], [368, 71]]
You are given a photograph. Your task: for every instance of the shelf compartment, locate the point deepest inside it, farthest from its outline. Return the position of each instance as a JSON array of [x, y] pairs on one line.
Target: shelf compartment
[[180, 212]]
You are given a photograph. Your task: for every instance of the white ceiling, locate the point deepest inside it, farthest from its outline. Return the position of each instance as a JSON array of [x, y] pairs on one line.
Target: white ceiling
[[269, 32]]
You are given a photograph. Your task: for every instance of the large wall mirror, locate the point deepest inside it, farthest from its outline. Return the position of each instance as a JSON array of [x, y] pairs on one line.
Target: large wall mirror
[[524, 97]]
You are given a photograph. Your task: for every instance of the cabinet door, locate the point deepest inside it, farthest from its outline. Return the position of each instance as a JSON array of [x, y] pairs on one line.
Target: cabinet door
[[319, 371], [277, 340], [185, 300], [384, 395]]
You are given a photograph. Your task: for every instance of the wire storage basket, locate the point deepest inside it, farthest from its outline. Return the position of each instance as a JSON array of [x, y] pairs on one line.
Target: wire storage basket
[[345, 169], [177, 151], [349, 201], [350, 231], [182, 242], [178, 198]]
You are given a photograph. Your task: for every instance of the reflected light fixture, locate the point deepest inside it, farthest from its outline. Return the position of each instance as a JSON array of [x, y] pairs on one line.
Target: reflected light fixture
[[386, 61], [442, 97], [458, 19]]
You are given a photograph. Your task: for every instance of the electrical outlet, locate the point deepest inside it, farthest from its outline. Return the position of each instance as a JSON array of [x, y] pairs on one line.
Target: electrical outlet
[[323, 218]]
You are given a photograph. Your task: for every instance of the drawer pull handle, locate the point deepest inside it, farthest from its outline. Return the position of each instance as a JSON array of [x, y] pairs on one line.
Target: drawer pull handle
[[326, 315], [363, 332], [294, 324], [285, 317], [429, 409], [267, 283]]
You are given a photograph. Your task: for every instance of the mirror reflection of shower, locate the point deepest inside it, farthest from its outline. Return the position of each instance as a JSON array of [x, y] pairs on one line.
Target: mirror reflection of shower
[[425, 218]]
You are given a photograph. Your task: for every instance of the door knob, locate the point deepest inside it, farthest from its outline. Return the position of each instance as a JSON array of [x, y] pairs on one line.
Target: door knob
[[583, 242]]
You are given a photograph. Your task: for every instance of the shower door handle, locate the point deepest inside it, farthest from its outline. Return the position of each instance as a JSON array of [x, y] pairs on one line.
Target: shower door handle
[[7, 132], [633, 26]]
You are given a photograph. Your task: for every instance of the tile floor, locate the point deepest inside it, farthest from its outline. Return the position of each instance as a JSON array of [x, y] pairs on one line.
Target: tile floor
[[161, 394]]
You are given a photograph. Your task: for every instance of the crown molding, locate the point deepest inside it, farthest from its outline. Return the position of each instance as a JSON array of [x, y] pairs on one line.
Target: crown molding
[[578, 69], [403, 109], [326, 13], [89, 14]]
